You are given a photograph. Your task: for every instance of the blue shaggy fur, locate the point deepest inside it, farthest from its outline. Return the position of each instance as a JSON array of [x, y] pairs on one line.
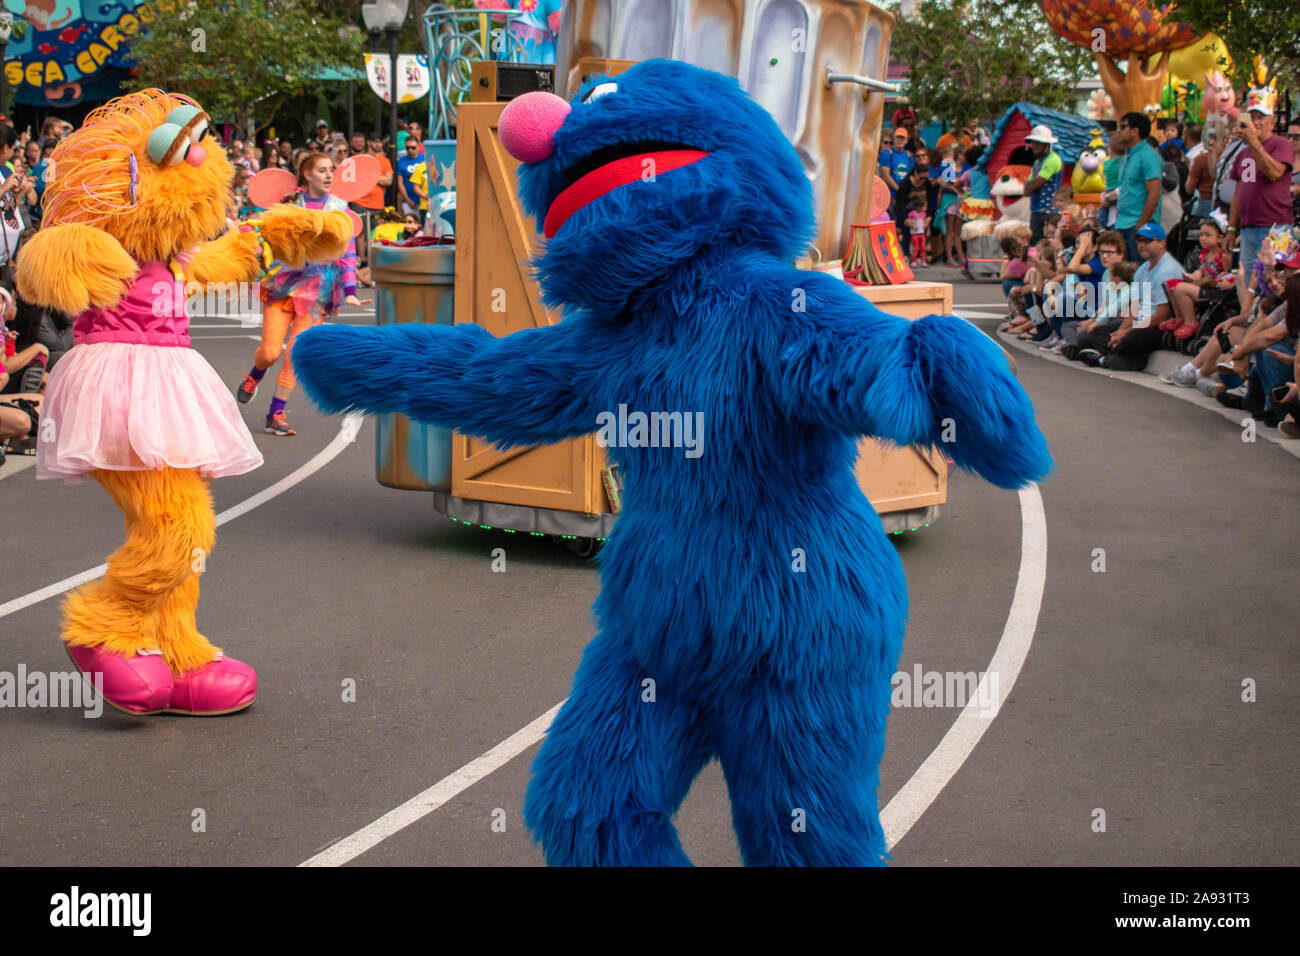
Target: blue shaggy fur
[[752, 584]]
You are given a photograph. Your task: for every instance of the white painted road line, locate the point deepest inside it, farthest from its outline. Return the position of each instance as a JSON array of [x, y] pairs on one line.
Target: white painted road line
[[346, 436], [422, 804], [916, 796], [901, 812]]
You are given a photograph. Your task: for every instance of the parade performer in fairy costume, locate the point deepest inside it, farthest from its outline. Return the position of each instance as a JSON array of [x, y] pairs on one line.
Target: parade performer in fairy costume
[[296, 299], [130, 204]]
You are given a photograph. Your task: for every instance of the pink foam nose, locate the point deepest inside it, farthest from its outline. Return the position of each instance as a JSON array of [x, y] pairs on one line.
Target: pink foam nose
[[528, 125], [196, 155]]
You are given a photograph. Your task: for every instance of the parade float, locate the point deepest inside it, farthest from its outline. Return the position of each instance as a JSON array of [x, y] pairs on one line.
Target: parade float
[[813, 64], [998, 204]]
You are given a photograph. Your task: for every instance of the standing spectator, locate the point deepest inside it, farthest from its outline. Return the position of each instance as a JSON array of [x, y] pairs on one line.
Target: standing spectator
[[1262, 172], [408, 130], [406, 165], [1110, 168], [918, 226], [1200, 177], [894, 166], [1137, 197], [905, 119], [1171, 200], [1044, 179], [1192, 137], [915, 183], [357, 144], [321, 138], [959, 135], [948, 210], [1231, 144], [1293, 134], [1129, 346], [373, 201]]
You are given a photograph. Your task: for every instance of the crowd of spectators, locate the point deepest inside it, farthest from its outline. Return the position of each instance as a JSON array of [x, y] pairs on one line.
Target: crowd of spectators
[[1194, 250]]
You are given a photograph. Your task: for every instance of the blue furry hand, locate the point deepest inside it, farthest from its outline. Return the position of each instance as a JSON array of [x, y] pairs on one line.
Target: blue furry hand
[[344, 367], [524, 389], [983, 419]]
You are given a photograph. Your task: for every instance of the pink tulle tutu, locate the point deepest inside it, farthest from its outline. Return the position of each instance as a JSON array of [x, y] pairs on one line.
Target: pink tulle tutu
[[125, 407]]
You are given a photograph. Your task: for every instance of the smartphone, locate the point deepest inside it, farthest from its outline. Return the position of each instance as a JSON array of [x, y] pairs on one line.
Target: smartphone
[[1224, 342], [1279, 393]]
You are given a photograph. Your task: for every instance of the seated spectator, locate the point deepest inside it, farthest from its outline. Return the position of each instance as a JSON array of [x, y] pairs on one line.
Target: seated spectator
[[1015, 264], [1114, 297], [1128, 347], [1270, 345], [1211, 363], [1072, 293], [1215, 274], [24, 366]]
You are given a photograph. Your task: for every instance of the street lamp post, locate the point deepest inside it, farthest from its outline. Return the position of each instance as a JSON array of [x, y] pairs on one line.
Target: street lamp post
[[375, 34], [388, 16]]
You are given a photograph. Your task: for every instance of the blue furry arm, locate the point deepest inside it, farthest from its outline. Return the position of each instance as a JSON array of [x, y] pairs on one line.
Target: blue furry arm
[[531, 387], [937, 381]]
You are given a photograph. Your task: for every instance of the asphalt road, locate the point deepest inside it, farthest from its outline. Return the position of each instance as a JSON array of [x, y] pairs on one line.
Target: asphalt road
[[1129, 700]]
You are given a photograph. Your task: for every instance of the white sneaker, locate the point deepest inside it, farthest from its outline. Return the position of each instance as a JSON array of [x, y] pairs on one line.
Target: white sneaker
[[1182, 377], [1051, 342], [1059, 347]]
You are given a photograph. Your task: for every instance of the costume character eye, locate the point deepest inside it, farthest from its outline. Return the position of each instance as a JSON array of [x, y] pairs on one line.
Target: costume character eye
[[170, 142], [596, 92]]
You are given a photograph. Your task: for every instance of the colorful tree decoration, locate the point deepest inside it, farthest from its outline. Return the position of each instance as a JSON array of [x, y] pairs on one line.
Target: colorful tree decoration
[[1100, 106], [1119, 30]]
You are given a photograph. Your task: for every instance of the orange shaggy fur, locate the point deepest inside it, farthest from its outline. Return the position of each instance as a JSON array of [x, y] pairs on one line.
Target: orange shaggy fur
[[146, 600], [176, 209]]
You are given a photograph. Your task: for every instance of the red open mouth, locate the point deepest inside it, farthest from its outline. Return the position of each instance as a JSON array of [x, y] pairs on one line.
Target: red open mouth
[[609, 176]]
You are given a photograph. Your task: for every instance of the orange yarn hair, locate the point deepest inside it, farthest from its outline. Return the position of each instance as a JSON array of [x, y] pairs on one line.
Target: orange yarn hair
[[174, 209]]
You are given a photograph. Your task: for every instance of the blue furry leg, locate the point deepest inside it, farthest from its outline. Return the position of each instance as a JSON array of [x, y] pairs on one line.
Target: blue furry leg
[[614, 768], [802, 765]]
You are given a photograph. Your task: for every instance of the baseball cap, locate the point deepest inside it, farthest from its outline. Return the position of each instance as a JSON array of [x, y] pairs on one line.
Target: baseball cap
[[1291, 263], [1152, 230], [1041, 134]]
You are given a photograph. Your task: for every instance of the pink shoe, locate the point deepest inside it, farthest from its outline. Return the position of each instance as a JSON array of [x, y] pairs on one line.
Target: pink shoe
[[221, 687], [139, 684]]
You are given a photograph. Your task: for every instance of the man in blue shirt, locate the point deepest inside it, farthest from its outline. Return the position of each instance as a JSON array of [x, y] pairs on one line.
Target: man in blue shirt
[[1044, 179], [894, 165], [406, 164], [1129, 346], [1138, 195]]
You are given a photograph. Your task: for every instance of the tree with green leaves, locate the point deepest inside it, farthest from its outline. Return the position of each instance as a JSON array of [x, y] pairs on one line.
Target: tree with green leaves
[[243, 58], [1267, 28], [973, 59]]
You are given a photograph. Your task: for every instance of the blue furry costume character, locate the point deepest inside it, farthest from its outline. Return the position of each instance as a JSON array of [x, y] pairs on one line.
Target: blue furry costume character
[[680, 295]]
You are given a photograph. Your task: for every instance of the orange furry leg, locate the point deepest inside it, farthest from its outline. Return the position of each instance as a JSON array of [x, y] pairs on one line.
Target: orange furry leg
[[147, 598]]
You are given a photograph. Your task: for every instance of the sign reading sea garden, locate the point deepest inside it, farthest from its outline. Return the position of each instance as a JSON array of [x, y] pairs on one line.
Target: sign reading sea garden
[[66, 51]]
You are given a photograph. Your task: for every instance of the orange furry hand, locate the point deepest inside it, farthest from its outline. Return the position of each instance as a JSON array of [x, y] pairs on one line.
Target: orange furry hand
[[233, 257], [298, 236], [73, 267]]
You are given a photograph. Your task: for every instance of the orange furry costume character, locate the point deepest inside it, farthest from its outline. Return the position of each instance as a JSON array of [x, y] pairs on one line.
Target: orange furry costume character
[[132, 202]]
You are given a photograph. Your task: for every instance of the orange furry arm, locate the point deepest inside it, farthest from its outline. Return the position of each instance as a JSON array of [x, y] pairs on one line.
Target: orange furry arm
[[298, 236], [233, 257], [73, 267]]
